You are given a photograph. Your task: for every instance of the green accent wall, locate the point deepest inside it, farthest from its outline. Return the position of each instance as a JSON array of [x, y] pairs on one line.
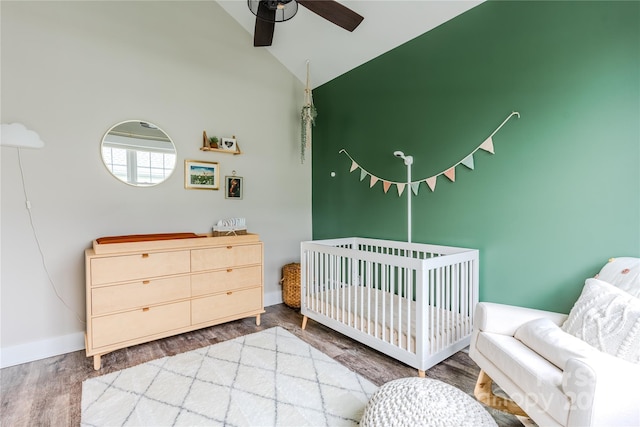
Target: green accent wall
[[560, 195]]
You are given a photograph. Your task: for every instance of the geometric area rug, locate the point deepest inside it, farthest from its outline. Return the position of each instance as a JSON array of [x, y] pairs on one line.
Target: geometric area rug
[[269, 378]]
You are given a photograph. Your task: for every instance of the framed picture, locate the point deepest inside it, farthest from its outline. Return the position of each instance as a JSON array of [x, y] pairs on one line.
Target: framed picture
[[201, 175], [228, 144], [233, 186]]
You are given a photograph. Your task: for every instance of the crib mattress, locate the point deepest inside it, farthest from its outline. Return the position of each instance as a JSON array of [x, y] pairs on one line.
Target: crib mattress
[[389, 317]]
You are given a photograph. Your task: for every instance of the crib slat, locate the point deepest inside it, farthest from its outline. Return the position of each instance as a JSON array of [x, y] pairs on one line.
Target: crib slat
[[430, 304], [447, 309]]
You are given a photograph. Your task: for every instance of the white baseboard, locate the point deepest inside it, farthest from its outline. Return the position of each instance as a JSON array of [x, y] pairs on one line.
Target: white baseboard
[[36, 350], [23, 353]]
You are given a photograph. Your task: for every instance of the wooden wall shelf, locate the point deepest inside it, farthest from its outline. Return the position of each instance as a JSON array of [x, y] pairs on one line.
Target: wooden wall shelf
[[206, 143], [219, 150]]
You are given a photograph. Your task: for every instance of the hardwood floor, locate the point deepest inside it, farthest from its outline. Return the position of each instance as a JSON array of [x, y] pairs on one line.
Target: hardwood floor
[[48, 392]]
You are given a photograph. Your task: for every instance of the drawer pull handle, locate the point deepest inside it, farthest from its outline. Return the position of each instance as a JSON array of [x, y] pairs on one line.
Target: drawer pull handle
[[229, 270], [145, 255], [146, 282], [229, 247], [145, 309], [229, 293]]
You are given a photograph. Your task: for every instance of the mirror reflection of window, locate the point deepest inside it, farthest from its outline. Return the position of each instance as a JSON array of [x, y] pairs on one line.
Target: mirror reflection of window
[[138, 153]]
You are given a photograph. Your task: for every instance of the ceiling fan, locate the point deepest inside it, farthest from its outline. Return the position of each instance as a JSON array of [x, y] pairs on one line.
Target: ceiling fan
[[268, 12]]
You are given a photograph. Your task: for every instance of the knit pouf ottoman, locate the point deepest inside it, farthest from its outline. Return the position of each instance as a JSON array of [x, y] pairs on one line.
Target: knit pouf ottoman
[[423, 402]]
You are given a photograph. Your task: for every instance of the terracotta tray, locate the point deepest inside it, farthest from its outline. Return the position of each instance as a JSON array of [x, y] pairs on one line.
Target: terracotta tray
[[146, 237]]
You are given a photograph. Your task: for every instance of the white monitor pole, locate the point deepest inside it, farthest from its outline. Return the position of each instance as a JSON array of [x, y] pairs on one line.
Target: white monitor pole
[[408, 161]]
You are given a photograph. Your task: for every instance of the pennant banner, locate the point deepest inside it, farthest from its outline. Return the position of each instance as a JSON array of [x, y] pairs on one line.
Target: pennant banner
[[487, 145], [450, 173], [431, 182], [468, 161]]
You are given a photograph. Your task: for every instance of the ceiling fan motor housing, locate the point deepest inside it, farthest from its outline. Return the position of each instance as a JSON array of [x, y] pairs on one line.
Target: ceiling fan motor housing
[[276, 4], [273, 10]]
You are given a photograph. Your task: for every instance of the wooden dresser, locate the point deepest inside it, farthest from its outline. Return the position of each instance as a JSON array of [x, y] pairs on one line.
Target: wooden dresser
[[144, 290]]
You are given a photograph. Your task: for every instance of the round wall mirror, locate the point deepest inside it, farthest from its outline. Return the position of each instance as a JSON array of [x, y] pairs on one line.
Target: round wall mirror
[[138, 153]]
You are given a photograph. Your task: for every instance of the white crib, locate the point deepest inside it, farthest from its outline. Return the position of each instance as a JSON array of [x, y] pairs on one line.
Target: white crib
[[413, 302]]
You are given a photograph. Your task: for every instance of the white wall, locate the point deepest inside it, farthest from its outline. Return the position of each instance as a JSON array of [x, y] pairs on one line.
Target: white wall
[[70, 70]]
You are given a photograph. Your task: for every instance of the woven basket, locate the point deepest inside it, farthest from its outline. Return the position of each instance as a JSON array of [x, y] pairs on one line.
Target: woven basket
[[291, 284]]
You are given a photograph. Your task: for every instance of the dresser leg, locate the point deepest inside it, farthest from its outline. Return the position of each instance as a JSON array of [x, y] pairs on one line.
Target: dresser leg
[[257, 320], [96, 362], [304, 322]]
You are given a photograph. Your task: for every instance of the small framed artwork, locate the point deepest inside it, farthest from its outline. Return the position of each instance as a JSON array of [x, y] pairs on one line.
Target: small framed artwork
[[201, 175], [228, 144], [233, 186]]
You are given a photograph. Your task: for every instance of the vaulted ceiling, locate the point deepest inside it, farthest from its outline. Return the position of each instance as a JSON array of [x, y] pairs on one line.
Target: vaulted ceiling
[[331, 50]]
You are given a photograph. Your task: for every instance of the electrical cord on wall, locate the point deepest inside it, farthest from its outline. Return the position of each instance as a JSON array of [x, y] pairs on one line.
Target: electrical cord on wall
[[35, 236]]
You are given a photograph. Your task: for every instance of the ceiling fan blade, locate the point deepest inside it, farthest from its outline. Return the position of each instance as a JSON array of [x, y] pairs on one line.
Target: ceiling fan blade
[[263, 34], [265, 25], [334, 12]]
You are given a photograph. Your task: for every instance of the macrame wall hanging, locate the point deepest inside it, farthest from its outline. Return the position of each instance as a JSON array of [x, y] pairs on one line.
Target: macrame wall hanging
[[450, 172], [307, 117]]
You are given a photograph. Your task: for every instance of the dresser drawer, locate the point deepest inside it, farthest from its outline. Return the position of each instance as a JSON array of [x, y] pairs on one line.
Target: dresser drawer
[[219, 306], [225, 256], [226, 280], [139, 294], [130, 325], [138, 266]]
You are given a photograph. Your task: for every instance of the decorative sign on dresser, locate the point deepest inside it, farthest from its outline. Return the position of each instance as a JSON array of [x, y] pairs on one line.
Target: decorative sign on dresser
[[145, 287]]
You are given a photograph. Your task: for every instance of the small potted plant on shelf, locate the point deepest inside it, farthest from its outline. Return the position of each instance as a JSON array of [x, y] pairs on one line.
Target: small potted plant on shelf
[[209, 142]]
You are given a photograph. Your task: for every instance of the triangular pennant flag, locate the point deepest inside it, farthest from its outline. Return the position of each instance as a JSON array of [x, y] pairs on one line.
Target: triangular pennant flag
[[487, 145], [354, 166], [400, 189], [373, 181], [363, 174], [415, 186], [431, 182], [451, 174], [386, 185], [468, 161]]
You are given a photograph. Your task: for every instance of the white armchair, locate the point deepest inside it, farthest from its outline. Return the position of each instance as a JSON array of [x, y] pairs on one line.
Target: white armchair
[[545, 363]]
